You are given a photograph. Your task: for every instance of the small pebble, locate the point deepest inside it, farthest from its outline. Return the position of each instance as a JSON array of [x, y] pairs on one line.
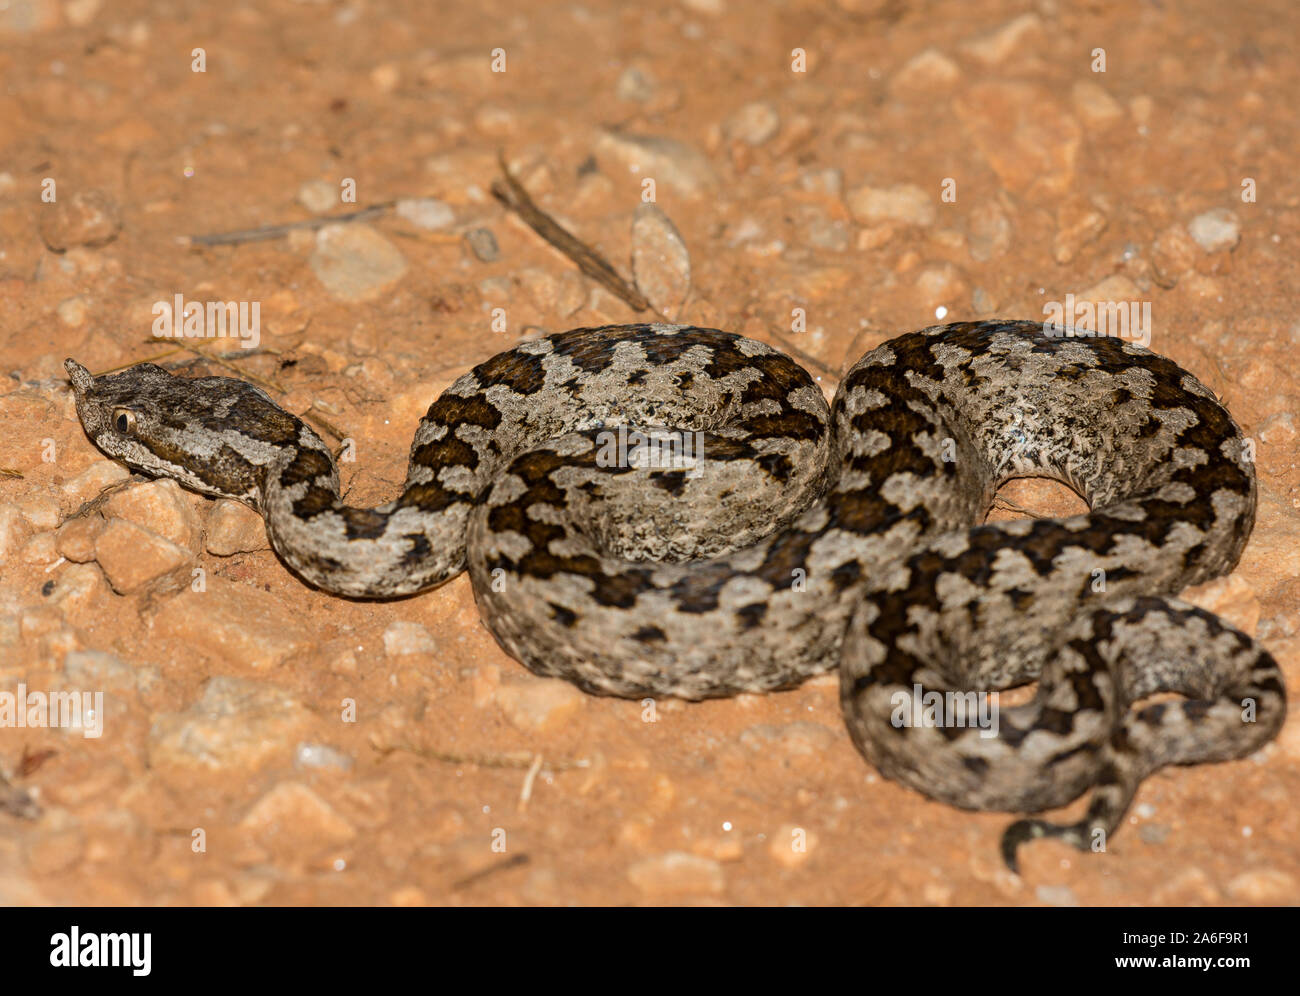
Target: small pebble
[[677, 872], [929, 69], [236, 623], [385, 77], [661, 263], [1266, 886], [1078, 223], [940, 284], [94, 479], [81, 12], [86, 218], [39, 509], [318, 196], [408, 638], [291, 817], [96, 669], [667, 161], [72, 312], [988, 232], [904, 202], [1154, 833], [791, 845], [822, 180], [538, 705], [1215, 230], [1173, 253], [313, 755], [1011, 39], [355, 262], [754, 124], [1095, 105], [232, 528], [635, 85], [132, 556], [483, 244], [235, 723], [427, 213], [1056, 895], [160, 506], [15, 530]]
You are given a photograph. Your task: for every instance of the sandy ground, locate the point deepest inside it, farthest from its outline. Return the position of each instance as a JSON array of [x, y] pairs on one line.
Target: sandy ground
[[878, 165]]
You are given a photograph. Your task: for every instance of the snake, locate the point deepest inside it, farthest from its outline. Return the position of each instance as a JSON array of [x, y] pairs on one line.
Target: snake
[[667, 510]]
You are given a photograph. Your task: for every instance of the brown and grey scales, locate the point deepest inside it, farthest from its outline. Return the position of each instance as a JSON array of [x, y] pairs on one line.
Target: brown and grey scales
[[807, 538]]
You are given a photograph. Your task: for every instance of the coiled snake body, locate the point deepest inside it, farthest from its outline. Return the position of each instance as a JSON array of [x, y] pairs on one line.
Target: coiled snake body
[[804, 538]]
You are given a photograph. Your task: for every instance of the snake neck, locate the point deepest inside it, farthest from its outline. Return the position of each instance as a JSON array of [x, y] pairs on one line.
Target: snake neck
[[399, 548]]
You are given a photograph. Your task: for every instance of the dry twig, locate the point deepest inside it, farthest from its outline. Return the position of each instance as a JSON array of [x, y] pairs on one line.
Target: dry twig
[[267, 232], [514, 759], [512, 194], [512, 862]]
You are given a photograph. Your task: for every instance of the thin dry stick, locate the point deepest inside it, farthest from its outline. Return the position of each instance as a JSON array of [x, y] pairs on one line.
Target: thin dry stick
[[243, 374], [312, 415], [198, 351], [526, 792], [9, 472], [806, 357], [520, 759], [278, 231], [95, 504], [152, 359], [512, 194], [478, 876], [1007, 505], [1221, 397]]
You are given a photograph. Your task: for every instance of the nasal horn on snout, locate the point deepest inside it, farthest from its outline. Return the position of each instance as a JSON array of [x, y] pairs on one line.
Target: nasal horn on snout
[[82, 379]]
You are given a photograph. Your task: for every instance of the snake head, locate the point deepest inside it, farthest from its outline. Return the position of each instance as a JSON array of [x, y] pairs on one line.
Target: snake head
[[116, 410], [187, 429]]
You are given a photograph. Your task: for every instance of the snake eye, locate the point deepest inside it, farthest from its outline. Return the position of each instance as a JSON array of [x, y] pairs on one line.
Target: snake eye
[[124, 420]]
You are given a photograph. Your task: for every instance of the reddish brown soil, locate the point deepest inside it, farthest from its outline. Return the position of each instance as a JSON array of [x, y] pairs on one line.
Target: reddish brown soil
[[1064, 177]]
